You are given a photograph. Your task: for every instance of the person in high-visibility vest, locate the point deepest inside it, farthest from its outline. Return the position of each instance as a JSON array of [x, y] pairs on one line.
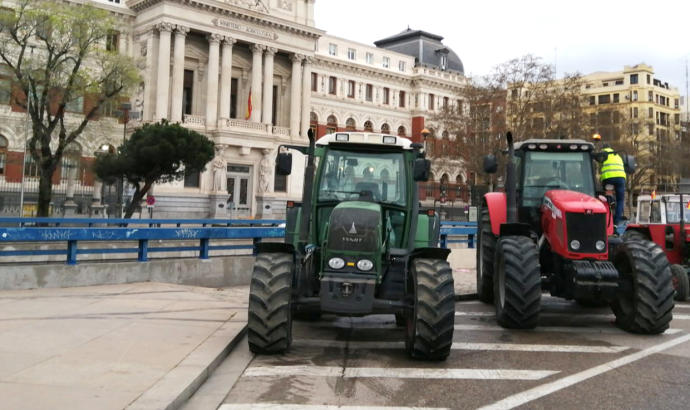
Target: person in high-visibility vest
[[613, 173]]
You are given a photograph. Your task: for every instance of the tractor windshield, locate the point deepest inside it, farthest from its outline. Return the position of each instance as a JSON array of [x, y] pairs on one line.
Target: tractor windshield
[[544, 171], [348, 175], [673, 212]]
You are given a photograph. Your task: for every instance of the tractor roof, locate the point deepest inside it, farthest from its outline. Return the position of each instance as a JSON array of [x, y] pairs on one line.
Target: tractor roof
[[554, 145], [368, 138]]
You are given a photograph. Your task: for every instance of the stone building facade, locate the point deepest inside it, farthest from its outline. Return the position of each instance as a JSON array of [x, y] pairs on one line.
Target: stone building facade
[[252, 75]]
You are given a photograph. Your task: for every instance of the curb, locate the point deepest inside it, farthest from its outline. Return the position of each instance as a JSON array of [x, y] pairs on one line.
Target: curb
[[181, 382], [467, 296]]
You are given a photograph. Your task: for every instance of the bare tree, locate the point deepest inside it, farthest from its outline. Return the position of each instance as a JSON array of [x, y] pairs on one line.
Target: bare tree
[[56, 54]]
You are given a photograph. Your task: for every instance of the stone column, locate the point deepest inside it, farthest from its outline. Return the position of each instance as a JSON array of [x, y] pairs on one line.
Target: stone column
[[212, 77], [306, 95], [295, 94], [257, 51], [226, 77], [149, 97], [178, 74], [268, 86], [163, 79]]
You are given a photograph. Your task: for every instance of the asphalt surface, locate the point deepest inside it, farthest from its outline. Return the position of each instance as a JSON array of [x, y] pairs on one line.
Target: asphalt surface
[[576, 358]]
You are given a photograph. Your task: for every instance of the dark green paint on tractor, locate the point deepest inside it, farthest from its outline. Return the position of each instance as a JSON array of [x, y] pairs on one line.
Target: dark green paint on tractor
[[357, 244]]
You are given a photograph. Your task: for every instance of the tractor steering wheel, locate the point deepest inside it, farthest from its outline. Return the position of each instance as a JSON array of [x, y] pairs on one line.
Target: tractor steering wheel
[[557, 183]]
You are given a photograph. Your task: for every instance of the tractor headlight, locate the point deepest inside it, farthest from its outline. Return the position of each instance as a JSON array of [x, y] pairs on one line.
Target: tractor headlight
[[365, 264], [336, 263], [600, 245], [575, 244]]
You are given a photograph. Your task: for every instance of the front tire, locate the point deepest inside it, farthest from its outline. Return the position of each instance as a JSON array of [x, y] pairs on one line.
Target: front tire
[[517, 280], [645, 302], [270, 315], [429, 334], [680, 282], [486, 248]]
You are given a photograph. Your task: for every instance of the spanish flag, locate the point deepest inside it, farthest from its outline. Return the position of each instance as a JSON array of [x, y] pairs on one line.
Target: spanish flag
[[249, 106], [688, 204], [654, 194]]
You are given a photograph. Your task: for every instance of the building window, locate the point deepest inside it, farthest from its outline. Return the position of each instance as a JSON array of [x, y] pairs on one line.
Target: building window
[[432, 102], [314, 81], [114, 1], [351, 89], [604, 99], [5, 90], [676, 119], [192, 180], [634, 112], [458, 106], [401, 99], [350, 125], [592, 100], [3, 154], [634, 95], [651, 112], [401, 131], [675, 103], [368, 126], [313, 122], [187, 92], [279, 181], [619, 82], [333, 49], [649, 79], [351, 54], [332, 84], [616, 98], [386, 95], [445, 103], [369, 95], [386, 62], [401, 65], [30, 166], [385, 129], [112, 41], [633, 78], [370, 58], [650, 96], [75, 105], [444, 61], [331, 124], [69, 168], [233, 97]]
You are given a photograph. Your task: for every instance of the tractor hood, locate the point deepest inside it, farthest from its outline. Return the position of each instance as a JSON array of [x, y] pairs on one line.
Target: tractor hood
[[573, 201], [355, 226]]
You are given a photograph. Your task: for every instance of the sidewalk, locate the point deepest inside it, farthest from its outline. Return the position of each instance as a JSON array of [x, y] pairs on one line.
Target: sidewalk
[[143, 345], [135, 346]]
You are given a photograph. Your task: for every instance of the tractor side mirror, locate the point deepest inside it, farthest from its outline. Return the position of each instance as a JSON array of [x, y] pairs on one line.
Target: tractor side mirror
[[284, 163], [629, 163], [421, 169], [490, 164]]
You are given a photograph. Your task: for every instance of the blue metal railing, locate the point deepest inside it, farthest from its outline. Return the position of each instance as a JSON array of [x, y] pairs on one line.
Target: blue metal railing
[[74, 230]]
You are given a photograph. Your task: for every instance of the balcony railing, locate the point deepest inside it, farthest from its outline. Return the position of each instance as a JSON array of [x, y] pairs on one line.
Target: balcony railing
[[199, 120], [233, 122], [285, 131]]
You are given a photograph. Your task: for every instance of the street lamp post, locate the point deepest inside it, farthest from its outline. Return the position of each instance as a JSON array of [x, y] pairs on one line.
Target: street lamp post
[[26, 141], [125, 108]]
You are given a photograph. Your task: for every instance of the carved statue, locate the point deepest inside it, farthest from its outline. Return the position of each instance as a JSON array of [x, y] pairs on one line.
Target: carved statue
[[219, 170], [265, 171]]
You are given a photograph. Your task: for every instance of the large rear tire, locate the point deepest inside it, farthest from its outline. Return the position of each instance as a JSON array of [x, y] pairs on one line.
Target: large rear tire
[[429, 334], [270, 315], [645, 302], [680, 282], [517, 283], [486, 248]]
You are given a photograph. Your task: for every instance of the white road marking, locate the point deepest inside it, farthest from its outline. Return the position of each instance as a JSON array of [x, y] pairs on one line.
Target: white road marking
[[280, 406], [563, 329], [681, 317], [573, 315], [478, 314], [397, 373], [515, 347], [682, 305], [548, 388]]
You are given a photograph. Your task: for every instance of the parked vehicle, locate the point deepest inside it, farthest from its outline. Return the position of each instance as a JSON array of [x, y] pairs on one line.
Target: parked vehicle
[[357, 244], [550, 230]]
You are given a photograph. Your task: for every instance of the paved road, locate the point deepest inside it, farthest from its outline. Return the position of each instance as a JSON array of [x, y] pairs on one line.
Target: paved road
[[576, 358]]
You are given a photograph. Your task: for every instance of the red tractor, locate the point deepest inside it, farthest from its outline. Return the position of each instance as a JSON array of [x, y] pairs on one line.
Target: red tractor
[[551, 231], [662, 219]]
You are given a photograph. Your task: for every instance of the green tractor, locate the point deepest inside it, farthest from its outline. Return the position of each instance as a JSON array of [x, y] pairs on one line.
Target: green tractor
[[358, 244]]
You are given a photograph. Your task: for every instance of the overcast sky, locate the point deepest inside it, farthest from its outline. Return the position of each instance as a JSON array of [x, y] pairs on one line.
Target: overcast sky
[[582, 35]]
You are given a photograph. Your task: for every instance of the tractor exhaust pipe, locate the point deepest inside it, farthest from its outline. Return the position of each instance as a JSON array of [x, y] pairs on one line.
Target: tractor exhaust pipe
[[511, 195], [307, 192]]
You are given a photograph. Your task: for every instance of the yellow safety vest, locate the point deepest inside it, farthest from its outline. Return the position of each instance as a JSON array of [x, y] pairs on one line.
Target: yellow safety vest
[[613, 166]]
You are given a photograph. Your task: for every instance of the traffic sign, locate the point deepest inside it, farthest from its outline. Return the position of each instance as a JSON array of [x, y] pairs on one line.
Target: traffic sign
[[150, 200]]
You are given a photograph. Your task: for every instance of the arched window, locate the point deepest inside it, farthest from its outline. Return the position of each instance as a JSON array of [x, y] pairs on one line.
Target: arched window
[[350, 124], [71, 158], [313, 122], [385, 175], [445, 135], [385, 129], [401, 131], [368, 126], [3, 154], [331, 124]]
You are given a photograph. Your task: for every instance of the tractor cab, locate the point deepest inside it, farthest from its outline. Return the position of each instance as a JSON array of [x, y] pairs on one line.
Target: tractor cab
[[661, 209]]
